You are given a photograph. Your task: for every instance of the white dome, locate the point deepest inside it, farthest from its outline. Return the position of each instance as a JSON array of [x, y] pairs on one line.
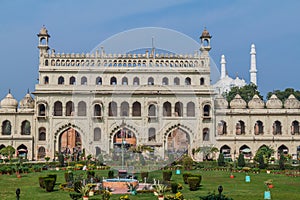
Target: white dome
[[9, 102], [238, 102], [27, 102], [256, 102], [274, 102]]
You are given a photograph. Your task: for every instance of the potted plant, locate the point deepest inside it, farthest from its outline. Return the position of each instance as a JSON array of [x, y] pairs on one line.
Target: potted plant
[[160, 190], [85, 192]]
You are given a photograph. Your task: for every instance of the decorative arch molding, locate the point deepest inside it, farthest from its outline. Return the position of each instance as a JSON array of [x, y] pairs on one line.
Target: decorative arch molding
[[119, 127], [180, 126], [64, 127]]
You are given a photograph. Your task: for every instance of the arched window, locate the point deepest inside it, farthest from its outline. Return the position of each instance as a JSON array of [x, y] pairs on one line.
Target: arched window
[[245, 150], [6, 127], [112, 109], [83, 80], [61, 80], [97, 110], [151, 135], [136, 109], [42, 110], [81, 108], [206, 110], [167, 109], [176, 81], [277, 128], [202, 81], [165, 81], [124, 81], [46, 62], [98, 81], [113, 81], [41, 152], [178, 109], [258, 128], [25, 128], [295, 127], [72, 80], [46, 80], [124, 109], [150, 81], [225, 150], [187, 81], [97, 134], [152, 110], [283, 150], [240, 127], [70, 109], [136, 81], [57, 108], [190, 109], [42, 134], [222, 128], [205, 136]]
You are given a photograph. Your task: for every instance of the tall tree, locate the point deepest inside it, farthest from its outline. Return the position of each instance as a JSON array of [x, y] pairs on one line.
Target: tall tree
[[283, 95], [246, 92]]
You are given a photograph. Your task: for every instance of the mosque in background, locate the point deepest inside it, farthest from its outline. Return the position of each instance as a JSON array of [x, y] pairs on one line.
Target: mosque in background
[[98, 101]]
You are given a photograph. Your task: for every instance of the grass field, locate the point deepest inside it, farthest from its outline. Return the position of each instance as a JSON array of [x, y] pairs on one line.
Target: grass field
[[285, 188]]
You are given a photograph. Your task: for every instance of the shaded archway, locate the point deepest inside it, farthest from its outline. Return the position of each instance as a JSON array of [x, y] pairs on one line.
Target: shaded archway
[[178, 141], [226, 151], [246, 151], [22, 151], [126, 136], [70, 142], [283, 149]]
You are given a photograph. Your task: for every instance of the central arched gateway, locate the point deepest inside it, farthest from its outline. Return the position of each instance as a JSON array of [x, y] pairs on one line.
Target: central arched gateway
[[70, 142], [178, 141], [125, 136]]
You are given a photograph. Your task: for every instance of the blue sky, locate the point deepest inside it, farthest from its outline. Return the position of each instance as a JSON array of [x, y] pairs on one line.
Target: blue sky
[[79, 26]]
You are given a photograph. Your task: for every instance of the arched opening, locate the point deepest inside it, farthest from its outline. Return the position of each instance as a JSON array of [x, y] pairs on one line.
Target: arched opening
[[167, 109], [25, 128], [124, 81], [136, 109], [6, 127], [42, 110], [150, 81], [83, 80], [2, 146], [222, 128], [178, 109], [178, 141], [206, 110], [41, 153], [98, 151], [112, 109], [187, 81], [57, 108], [283, 150], [152, 110], [205, 134], [165, 81], [70, 108], [61, 80], [226, 151], [72, 80], [98, 81], [97, 134], [277, 128], [124, 136], [190, 109], [246, 151], [70, 143], [124, 109], [22, 151], [81, 108], [240, 127], [42, 134], [97, 110], [113, 81], [46, 80], [176, 81], [202, 81], [258, 128], [151, 135], [295, 127], [136, 81]]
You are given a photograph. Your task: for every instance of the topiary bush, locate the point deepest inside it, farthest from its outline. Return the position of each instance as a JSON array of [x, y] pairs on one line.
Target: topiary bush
[[42, 182], [194, 183], [167, 174], [53, 176], [241, 160], [221, 160], [110, 174], [185, 177], [174, 187], [49, 184]]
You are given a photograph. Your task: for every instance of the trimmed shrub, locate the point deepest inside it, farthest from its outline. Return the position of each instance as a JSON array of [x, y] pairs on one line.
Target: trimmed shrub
[[241, 160], [174, 187], [110, 174], [167, 175], [185, 177], [49, 184], [221, 161], [194, 183], [281, 162], [53, 176], [42, 182]]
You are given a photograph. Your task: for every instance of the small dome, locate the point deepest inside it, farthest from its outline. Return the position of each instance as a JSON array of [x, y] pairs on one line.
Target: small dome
[[221, 102], [9, 102], [256, 102], [292, 102], [274, 102], [43, 32], [27, 102], [238, 102], [206, 34]]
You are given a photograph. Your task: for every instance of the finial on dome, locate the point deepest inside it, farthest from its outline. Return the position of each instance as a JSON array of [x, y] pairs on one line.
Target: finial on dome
[[9, 91]]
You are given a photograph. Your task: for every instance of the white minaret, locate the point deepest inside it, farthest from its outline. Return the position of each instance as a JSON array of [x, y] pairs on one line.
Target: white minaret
[[223, 67], [253, 69]]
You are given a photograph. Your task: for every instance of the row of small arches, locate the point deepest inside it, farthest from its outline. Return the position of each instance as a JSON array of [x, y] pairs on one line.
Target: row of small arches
[[124, 81], [258, 129], [6, 127]]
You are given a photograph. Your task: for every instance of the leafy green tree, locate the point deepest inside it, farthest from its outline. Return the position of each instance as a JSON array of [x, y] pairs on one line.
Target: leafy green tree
[[246, 92], [241, 160], [265, 151], [261, 162], [187, 162], [283, 95], [8, 151], [207, 151], [221, 160]]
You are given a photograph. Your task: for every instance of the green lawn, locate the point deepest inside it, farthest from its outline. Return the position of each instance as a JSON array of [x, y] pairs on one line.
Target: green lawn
[[284, 187]]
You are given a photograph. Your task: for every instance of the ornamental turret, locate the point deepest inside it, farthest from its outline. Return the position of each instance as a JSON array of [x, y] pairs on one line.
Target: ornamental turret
[[43, 40]]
